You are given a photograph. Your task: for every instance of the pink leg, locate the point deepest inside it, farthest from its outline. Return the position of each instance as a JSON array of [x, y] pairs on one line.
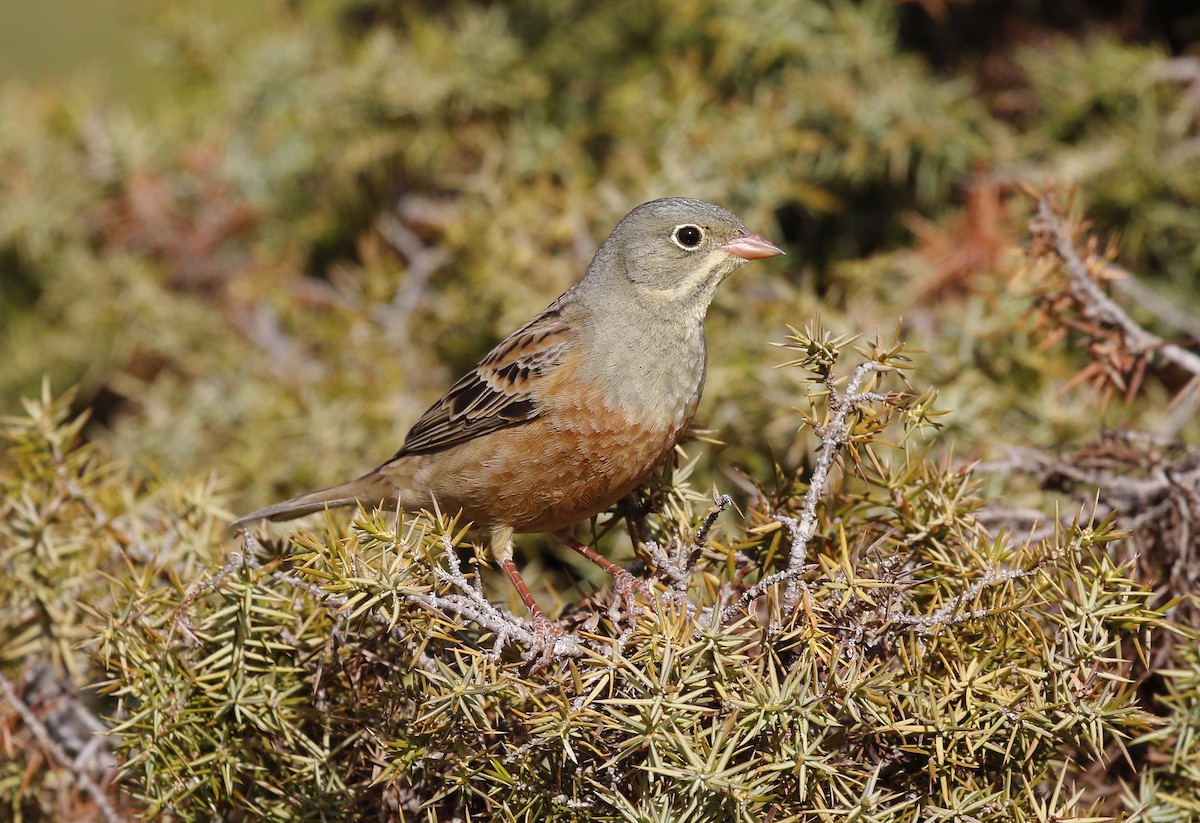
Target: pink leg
[[624, 582], [545, 630]]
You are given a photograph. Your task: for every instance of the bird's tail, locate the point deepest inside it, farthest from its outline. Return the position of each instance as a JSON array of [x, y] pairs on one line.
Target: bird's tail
[[366, 490]]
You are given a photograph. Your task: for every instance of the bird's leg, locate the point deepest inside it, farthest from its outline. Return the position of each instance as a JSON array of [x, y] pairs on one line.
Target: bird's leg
[[624, 582], [634, 508], [545, 630]]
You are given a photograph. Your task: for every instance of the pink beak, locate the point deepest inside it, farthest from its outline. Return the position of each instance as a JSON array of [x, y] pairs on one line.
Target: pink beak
[[749, 246]]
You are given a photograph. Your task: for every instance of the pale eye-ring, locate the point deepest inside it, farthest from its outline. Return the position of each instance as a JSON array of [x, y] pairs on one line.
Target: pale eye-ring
[[687, 236]]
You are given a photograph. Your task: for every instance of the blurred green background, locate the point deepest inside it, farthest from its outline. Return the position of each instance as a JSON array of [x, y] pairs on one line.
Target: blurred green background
[[262, 239], [52, 42]]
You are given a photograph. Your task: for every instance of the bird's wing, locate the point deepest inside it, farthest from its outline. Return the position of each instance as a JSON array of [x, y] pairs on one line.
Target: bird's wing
[[499, 392]]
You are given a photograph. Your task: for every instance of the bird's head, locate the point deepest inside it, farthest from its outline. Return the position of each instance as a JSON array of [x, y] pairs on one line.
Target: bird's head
[[674, 253]]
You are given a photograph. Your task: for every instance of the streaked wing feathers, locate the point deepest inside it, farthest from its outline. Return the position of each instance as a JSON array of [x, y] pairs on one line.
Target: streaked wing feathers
[[498, 393]]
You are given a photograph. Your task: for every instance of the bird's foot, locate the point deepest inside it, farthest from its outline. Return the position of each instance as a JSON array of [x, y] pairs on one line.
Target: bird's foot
[[625, 583], [545, 636], [624, 586]]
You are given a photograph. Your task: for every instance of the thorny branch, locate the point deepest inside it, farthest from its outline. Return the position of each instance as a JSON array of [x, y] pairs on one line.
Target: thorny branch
[[466, 601], [952, 613], [677, 560], [834, 435], [1054, 231], [470, 602], [1151, 482]]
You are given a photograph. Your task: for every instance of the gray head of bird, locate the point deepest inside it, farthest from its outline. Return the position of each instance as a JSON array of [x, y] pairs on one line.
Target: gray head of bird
[[672, 254]]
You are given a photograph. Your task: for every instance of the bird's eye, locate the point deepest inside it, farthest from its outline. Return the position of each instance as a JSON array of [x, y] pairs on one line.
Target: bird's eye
[[687, 237]]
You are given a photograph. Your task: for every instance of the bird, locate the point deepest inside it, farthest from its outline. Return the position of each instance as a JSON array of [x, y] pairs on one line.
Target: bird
[[575, 409]]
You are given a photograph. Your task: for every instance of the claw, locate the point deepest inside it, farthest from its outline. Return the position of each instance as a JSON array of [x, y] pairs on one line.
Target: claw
[[624, 585], [545, 636]]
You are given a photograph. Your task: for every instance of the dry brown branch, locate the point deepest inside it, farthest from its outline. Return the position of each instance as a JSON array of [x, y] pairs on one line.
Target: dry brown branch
[[1121, 349], [52, 749]]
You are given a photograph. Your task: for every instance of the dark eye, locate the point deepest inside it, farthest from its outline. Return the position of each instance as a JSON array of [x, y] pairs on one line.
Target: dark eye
[[688, 237]]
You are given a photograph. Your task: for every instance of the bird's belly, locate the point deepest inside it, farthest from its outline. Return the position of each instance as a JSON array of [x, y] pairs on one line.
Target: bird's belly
[[542, 476]]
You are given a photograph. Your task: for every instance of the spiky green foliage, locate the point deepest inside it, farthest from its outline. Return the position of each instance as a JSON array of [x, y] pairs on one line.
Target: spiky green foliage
[[913, 666], [1169, 791]]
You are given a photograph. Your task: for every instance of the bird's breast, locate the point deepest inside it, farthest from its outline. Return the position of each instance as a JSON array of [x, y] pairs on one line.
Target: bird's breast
[[606, 421], [651, 372]]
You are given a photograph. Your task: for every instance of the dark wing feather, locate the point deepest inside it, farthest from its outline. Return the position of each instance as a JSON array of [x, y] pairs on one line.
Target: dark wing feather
[[498, 393]]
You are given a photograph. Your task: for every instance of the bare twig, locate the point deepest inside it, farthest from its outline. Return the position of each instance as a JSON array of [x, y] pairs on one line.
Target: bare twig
[[423, 260], [467, 601], [1169, 312], [834, 435], [721, 502], [1054, 230], [952, 612], [1150, 483], [51, 747], [470, 602]]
